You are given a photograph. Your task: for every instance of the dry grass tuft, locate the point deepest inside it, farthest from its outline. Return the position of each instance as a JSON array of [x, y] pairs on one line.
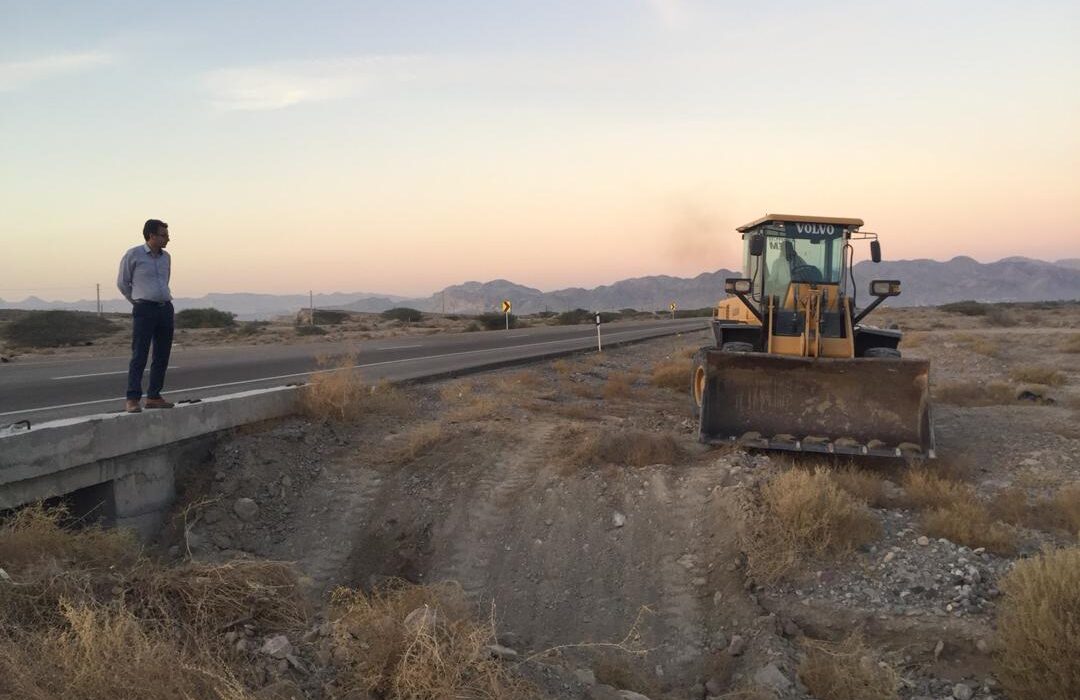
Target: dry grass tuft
[[981, 344], [866, 486], [75, 606], [805, 515], [619, 385], [968, 522], [1071, 344], [516, 382], [457, 392], [635, 448], [674, 374], [340, 393], [914, 339], [928, 489], [846, 670], [1033, 374], [618, 671], [1061, 511], [417, 642], [419, 441], [563, 367], [1039, 627], [975, 393], [479, 408], [106, 652]]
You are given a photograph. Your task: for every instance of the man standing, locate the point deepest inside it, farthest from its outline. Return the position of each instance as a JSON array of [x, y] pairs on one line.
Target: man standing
[[144, 281]]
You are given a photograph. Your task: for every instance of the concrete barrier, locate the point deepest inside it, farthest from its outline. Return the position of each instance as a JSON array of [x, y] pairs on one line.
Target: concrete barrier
[[126, 462]]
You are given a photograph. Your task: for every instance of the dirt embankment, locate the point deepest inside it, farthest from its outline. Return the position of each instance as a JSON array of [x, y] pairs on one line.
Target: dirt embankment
[[604, 552]]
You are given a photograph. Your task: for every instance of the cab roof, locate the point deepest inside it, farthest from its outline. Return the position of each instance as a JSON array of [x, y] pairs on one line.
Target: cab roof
[[796, 218]]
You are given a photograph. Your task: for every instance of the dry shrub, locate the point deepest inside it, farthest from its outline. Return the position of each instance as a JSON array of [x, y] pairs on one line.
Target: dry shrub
[[928, 489], [846, 670], [574, 411], [805, 515], [674, 374], [416, 643], [635, 448], [1061, 511], [106, 652], [968, 522], [340, 393], [514, 383], [619, 385], [48, 563], [863, 485], [563, 367], [981, 344], [582, 390], [419, 441], [1033, 374], [1039, 627], [457, 392], [975, 393], [92, 567], [1071, 344]]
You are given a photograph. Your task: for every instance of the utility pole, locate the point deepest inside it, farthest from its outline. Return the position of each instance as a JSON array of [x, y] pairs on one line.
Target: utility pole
[[311, 307], [99, 298]]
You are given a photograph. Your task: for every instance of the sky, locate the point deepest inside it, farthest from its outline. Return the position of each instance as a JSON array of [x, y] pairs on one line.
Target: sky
[[400, 147]]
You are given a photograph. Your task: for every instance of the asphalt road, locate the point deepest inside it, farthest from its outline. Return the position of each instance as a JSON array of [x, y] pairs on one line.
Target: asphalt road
[[46, 390]]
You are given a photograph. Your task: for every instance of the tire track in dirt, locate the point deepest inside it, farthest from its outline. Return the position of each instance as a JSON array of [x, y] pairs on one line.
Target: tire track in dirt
[[338, 504], [482, 524]]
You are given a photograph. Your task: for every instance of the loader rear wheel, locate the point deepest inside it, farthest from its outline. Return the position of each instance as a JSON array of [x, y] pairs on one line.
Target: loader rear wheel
[[887, 353], [697, 381], [737, 346]]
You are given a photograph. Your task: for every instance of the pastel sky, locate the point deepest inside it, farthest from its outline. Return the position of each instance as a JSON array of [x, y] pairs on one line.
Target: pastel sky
[[403, 146]]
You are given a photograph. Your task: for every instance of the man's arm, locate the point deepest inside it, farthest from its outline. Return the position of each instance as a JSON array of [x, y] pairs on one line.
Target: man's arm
[[123, 280]]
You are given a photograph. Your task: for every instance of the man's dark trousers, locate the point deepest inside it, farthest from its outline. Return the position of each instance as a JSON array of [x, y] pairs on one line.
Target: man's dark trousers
[[152, 324]]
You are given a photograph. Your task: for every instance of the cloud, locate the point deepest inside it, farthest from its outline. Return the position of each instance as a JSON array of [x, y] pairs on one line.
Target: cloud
[[17, 74], [673, 13], [281, 85]]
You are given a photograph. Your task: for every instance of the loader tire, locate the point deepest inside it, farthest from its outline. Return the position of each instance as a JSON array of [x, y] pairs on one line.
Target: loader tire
[[736, 346], [884, 353], [697, 380]]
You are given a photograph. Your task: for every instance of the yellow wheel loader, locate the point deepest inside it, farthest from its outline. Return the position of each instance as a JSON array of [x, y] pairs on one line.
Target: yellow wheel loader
[[793, 368]]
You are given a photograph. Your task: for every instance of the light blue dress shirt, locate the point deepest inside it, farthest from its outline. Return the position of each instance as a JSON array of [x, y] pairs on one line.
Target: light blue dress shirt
[[145, 276]]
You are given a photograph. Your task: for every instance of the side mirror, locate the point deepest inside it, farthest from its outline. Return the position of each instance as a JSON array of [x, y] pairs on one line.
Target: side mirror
[[757, 244], [885, 288], [736, 285], [875, 251]]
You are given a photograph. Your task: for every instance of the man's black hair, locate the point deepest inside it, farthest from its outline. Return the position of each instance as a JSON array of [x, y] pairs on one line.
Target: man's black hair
[[151, 227]]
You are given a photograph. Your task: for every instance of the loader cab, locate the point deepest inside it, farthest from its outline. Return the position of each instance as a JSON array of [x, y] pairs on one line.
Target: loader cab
[[809, 252]]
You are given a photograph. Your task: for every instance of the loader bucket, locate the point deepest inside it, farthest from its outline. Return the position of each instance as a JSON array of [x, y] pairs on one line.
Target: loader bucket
[[861, 406]]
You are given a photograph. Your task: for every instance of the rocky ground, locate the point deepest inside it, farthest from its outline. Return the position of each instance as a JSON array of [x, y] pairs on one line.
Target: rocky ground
[[574, 507]]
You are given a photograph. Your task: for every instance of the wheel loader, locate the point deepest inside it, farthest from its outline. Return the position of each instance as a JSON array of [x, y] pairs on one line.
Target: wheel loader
[[793, 366]]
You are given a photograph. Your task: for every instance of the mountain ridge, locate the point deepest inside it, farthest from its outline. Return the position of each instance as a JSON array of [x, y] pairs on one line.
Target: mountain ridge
[[925, 282]]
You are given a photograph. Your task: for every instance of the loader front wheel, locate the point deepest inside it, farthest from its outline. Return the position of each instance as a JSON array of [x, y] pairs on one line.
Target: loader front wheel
[[697, 381]]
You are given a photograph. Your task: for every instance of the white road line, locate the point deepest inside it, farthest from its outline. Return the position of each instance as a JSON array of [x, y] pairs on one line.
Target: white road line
[[399, 347], [102, 374], [324, 371]]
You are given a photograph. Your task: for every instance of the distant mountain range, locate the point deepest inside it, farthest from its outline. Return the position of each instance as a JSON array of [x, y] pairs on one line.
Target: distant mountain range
[[925, 282]]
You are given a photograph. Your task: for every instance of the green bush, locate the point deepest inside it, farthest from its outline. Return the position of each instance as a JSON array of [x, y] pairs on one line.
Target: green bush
[[204, 318], [494, 321], [327, 317], [310, 330], [402, 313], [694, 313], [965, 308], [50, 329], [573, 318]]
